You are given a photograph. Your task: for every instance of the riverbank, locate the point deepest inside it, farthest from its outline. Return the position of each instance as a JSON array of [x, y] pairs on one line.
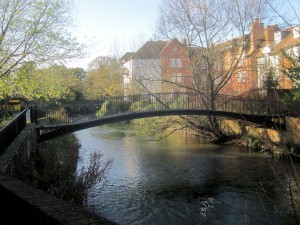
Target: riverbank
[[52, 168], [181, 181], [280, 142]]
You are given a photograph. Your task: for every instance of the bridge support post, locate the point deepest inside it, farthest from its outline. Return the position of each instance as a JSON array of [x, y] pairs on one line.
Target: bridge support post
[[33, 114]]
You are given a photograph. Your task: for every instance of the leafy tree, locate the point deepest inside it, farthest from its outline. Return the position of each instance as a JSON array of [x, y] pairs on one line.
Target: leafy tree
[[292, 71], [103, 78], [35, 32], [270, 81], [80, 73], [54, 82]]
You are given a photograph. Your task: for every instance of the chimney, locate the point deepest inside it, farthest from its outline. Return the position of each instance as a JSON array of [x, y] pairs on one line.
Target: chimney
[[256, 33], [269, 33], [184, 41]]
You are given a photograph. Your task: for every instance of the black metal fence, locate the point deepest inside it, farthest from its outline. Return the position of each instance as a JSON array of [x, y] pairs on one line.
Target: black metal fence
[[12, 129], [120, 105]]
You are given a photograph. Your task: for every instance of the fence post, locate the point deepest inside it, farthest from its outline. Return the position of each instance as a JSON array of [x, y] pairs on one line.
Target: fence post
[[33, 112]]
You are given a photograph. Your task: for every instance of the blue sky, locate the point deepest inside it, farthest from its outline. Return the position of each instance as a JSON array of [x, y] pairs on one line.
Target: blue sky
[[103, 24]]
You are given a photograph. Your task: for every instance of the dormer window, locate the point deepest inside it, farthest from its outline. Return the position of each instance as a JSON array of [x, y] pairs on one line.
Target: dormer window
[[296, 32], [279, 36]]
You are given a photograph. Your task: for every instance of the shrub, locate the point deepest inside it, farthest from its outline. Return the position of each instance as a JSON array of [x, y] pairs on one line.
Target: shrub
[[53, 170], [108, 107]]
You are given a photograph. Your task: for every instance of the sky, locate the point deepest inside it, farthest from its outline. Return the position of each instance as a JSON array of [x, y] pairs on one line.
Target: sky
[[107, 25], [116, 26]]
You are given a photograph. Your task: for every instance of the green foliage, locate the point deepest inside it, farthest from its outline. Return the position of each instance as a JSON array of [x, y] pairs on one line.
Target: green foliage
[[54, 82], [108, 107], [270, 81], [35, 31], [293, 71], [54, 170], [136, 106], [103, 78], [178, 102], [252, 142], [154, 128], [256, 144], [292, 100]]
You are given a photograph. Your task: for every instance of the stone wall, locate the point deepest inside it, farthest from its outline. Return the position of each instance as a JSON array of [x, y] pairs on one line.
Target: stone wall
[[20, 149], [23, 204]]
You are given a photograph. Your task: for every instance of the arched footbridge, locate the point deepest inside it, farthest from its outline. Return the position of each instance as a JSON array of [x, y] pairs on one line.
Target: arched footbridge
[[55, 120]]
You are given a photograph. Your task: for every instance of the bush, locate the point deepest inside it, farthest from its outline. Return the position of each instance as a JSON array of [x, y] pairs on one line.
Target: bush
[[53, 170], [108, 108]]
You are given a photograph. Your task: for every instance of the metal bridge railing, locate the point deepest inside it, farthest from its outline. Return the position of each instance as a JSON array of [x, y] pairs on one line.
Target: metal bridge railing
[[79, 113], [12, 130]]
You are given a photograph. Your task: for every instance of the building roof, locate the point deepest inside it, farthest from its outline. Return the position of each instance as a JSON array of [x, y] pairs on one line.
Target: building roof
[[150, 50], [173, 40], [287, 42], [126, 57]]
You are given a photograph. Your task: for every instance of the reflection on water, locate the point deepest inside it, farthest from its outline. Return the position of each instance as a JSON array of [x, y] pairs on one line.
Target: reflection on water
[[180, 181]]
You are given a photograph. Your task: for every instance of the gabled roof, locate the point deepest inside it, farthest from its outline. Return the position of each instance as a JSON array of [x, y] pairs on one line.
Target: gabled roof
[[150, 50], [126, 57], [287, 42], [233, 45], [173, 40]]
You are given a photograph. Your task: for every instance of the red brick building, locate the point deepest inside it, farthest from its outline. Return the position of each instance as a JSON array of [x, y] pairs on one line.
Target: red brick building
[[157, 66], [168, 66]]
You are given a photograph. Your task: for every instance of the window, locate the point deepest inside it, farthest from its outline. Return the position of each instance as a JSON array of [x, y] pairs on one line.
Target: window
[[176, 78], [242, 77], [218, 79], [242, 60], [179, 78], [175, 63], [296, 32], [178, 63], [217, 65], [175, 49], [173, 78], [228, 62], [289, 52], [172, 62]]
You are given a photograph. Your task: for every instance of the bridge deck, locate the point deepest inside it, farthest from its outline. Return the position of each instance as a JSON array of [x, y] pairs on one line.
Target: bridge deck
[[54, 120]]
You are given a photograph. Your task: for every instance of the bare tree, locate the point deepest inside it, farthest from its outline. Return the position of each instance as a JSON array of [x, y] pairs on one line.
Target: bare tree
[[217, 44]]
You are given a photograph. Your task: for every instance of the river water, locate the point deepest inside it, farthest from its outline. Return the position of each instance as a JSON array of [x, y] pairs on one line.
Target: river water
[[181, 181]]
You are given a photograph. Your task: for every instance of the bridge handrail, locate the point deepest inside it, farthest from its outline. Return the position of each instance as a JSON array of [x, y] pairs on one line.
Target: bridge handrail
[[12, 129], [119, 105]]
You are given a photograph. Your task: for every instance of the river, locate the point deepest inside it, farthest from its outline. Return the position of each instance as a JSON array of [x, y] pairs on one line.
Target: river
[[181, 181]]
